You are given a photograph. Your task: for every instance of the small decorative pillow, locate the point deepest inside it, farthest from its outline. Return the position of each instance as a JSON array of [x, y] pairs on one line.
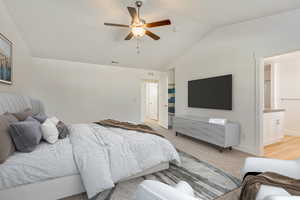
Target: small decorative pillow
[[41, 117], [26, 135], [21, 116], [54, 120], [62, 129], [31, 119], [49, 131]]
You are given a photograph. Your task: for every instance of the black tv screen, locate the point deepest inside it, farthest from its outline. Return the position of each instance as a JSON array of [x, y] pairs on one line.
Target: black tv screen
[[214, 93]]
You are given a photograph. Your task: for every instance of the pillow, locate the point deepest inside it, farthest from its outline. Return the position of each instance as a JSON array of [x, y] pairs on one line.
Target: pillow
[[6, 144], [49, 131], [62, 129], [31, 119], [54, 120], [21, 116], [41, 117], [26, 135]]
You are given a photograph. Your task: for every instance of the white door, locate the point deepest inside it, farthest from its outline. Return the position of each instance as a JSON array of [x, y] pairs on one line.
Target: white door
[[153, 101], [163, 100]]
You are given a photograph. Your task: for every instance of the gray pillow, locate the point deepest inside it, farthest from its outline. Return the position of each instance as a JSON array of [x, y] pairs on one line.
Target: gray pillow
[[6, 144], [62, 130], [41, 117], [21, 116], [31, 119], [26, 135]]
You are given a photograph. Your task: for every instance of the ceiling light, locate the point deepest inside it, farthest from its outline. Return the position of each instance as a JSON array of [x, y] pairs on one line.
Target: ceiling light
[[138, 31]]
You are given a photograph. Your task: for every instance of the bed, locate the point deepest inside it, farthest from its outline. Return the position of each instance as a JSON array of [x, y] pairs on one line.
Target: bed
[[33, 175]]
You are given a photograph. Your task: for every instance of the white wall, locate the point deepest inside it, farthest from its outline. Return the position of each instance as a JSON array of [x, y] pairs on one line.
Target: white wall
[[171, 76], [80, 92], [234, 50], [21, 55], [289, 87]]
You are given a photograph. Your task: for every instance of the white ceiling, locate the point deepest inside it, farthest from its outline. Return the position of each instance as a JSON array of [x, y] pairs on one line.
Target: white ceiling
[[286, 58], [73, 29]]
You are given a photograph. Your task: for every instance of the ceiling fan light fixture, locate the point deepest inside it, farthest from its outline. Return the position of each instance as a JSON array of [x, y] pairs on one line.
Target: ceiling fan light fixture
[[138, 26], [138, 31]]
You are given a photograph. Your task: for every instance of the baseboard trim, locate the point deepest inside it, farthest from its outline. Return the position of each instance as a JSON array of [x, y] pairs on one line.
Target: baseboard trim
[[247, 149], [291, 132]]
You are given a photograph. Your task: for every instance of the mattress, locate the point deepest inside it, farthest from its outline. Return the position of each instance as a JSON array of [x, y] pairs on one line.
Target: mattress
[[47, 161]]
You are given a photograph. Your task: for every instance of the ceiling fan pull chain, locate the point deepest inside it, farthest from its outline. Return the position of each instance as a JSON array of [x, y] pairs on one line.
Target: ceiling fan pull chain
[[139, 14], [138, 51]]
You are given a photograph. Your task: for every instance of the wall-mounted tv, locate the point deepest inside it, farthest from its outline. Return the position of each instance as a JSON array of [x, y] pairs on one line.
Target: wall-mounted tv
[[214, 93]]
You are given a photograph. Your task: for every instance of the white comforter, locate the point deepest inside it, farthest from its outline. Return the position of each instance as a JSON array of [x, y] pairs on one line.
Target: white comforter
[[104, 156], [47, 161]]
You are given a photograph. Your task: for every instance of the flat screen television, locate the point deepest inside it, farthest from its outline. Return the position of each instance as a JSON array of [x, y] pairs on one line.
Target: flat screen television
[[214, 93]]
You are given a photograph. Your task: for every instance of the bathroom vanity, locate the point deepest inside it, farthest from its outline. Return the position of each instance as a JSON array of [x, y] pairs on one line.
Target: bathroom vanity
[[273, 126]]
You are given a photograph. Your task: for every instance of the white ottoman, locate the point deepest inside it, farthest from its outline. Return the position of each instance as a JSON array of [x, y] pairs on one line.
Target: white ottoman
[[154, 190]]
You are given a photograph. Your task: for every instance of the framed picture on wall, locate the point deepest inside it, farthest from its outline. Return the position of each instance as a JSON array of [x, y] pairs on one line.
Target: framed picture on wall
[[5, 60]]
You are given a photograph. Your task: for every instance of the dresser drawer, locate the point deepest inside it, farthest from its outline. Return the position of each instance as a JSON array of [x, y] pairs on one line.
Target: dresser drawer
[[205, 131]]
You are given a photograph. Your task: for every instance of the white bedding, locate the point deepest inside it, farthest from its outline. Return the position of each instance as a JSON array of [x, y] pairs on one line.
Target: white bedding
[[104, 156], [45, 162]]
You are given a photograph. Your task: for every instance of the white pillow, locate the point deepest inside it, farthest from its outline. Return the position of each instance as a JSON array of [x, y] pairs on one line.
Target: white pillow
[[184, 187], [54, 120], [49, 131]]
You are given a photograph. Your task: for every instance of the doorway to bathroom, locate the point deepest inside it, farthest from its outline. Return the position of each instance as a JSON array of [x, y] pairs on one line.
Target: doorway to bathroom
[[281, 113]]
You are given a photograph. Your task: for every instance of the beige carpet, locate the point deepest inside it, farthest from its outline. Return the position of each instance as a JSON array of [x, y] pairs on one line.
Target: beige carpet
[[229, 161]]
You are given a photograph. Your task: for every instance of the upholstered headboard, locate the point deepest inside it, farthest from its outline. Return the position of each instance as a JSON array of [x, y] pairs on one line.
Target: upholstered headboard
[[16, 103]]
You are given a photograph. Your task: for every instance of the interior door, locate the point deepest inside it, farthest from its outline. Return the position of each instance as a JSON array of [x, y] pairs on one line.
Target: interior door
[[163, 100], [153, 101]]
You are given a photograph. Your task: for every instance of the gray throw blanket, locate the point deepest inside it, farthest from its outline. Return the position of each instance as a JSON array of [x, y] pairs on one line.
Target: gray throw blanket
[[128, 126], [251, 184]]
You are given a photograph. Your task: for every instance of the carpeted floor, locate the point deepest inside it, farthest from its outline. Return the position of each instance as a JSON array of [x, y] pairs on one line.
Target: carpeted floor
[[229, 161], [207, 181]]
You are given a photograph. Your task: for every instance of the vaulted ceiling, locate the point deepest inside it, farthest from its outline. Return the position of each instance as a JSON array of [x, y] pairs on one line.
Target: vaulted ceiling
[[73, 29]]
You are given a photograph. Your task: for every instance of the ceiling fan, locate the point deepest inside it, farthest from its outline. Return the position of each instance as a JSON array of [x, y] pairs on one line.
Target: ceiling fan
[[138, 25]]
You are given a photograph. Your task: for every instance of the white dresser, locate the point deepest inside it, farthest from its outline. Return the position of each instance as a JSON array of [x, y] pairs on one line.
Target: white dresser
[[224, 136]]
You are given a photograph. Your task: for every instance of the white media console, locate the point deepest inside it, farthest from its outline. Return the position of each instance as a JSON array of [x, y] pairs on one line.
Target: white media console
[[224, 136]]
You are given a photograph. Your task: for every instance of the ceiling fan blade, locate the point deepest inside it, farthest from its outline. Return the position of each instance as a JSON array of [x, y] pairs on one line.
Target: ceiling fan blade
[[152, 35], [118, 25], [133, 13], [129, 36], [158, 23]]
